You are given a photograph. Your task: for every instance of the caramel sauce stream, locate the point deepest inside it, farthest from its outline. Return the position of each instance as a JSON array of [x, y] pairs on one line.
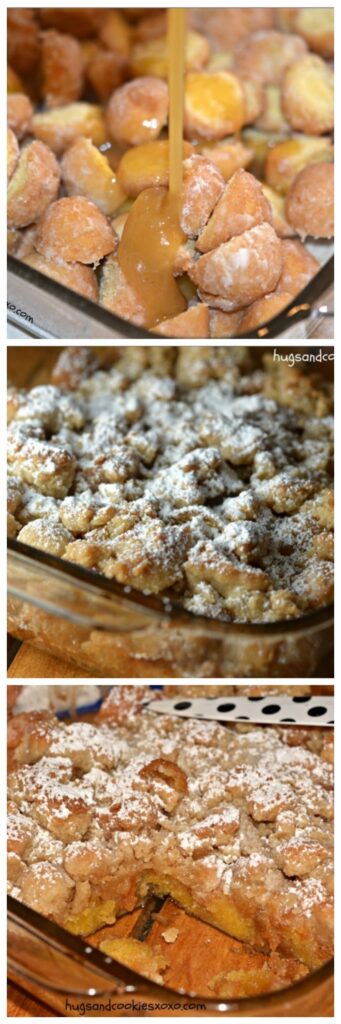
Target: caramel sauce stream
[[176, 39], [152, 233]]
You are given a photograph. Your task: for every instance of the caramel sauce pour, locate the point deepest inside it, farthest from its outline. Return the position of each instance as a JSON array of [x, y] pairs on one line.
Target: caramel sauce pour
[[152, 233]]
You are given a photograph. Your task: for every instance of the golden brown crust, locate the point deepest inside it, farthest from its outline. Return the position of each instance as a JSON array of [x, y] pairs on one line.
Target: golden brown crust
[[201, 818], [309, 205], [74, 230]]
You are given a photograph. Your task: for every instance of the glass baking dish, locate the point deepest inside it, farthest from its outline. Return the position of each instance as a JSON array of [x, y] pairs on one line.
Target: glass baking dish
[[112, 631], [76, 979], [38, 307]]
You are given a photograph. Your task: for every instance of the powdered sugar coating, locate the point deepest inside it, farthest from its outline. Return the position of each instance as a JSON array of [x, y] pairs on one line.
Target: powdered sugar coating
[[253, 822], [209, 483]]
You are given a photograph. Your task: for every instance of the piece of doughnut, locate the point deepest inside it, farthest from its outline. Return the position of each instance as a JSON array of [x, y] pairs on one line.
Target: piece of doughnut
[[263, 310], [146, 165], [45, 535], [45, 465], [12, 152], [299, 266], [239, 271], [193, 323], [267, 55], [105, 71], [86, 172], [242, 206], [286, 158], [62, 69], [224, 325], [19, 113], [214, 105], [14, 83], [226, 26], [277, 203], [34, 185], [202, 187], [81, 22], [23, 40], [74, 230], [117, 295], [254, 98], [138, 111], [271, 118], [309, 204], [228, 155], [150, 57], [61, 126], [316, 25], [77, 276], [115, 34], [308, 95]]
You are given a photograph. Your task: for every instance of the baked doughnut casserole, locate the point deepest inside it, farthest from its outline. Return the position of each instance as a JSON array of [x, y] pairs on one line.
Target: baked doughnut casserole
[[88, 157], [233, 822], [197, 475]]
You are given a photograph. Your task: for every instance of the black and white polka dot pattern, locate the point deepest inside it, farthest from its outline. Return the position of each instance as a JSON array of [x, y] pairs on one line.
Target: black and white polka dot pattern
[[266, 710]]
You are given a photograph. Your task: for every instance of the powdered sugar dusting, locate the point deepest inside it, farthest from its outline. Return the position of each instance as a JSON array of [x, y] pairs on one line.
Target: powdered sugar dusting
[[215, 491]]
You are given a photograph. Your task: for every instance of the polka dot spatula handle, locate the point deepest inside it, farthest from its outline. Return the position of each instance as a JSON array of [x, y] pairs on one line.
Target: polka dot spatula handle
[[265, 710]]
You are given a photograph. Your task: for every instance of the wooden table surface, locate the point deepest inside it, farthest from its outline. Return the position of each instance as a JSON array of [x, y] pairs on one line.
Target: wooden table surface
[[21, 1004], [29, 663]]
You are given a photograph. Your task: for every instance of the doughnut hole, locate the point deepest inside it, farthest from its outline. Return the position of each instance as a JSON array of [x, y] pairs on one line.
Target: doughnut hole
[[287, 158], [224, 325], [308, 95], [34, 185], [214, 105], [316, 25], [271, 118], [147, 165], [138, 111], [239, 271], [115, 33], [228, 156], [76, 276], [12, 152], [14, 83], [202, 188], [60, 127], [74, 230], [193, 323], [105, 71], [299, 266], [263, 310], [78, 21], [151, 57], [47, 536], [242, 206], [225, 27], [62, 68], [19, 113], [267, 55], [23, 40], [86, 172], [118, 296], [277, 203], [309, 206], [254, 98], [46, 466]]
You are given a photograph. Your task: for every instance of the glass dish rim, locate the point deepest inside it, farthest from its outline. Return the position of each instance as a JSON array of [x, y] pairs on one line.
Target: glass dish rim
[[74, 943], [319, 617], [299, 308]]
